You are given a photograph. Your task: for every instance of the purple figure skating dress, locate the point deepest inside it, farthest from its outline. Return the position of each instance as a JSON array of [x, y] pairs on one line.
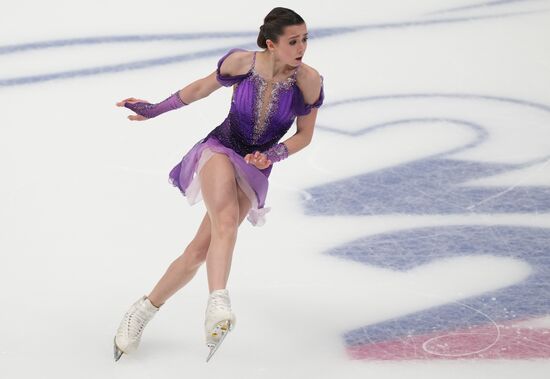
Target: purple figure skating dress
[[256, 122]]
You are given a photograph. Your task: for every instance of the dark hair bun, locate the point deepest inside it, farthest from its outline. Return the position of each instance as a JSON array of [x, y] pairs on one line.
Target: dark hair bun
[[274, 24], [261, 38]]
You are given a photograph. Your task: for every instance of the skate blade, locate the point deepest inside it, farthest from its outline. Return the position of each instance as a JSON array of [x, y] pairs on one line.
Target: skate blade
[[221, 328], [118, 353]]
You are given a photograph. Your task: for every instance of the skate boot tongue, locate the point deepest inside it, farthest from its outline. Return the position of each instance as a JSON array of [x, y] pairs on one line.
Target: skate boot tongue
[[220, 294], [218, 309], [223, 292]]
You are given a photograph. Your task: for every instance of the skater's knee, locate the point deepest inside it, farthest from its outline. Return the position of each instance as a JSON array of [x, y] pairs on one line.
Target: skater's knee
[[226, 222]]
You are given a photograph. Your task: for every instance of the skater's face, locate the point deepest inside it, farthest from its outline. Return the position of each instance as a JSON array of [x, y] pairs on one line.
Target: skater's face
[[292, 44]]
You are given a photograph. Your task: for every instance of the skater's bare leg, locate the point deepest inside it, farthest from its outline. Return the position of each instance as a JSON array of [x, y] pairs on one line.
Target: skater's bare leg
[[184, 268], [221, 196]]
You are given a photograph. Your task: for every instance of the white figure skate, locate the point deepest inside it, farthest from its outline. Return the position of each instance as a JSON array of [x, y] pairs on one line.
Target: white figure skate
[[129, 332], [219, 320]]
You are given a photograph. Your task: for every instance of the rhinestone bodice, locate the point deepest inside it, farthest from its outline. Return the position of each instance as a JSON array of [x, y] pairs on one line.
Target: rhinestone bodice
[[261, 111]]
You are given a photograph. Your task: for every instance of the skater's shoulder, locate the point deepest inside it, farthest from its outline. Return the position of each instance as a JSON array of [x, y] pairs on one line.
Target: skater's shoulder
[[236, 62], [306, 73], [310, 82]]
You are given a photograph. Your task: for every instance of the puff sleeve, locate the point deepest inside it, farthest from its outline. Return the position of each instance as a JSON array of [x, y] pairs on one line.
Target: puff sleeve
[[301, 108], [228, 80]]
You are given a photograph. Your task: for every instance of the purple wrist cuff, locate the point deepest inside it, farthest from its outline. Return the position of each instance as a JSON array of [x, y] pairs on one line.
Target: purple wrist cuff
[[153, 110], [277, 153]]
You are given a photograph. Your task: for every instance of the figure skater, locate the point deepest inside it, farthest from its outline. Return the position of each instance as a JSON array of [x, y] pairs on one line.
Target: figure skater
[[230, 167]]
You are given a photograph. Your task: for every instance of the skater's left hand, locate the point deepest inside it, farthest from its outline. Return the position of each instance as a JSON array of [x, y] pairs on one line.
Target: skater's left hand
[[258, 159]]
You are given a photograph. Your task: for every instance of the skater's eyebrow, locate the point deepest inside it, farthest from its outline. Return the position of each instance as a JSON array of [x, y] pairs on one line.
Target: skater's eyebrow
[[297, 35]]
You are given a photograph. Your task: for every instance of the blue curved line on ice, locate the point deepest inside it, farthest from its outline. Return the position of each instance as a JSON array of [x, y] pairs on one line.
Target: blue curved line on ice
[[511, 100], [319, 32], [487, 4], [10, 49], [115, 68], [316, 33], [481, 133]]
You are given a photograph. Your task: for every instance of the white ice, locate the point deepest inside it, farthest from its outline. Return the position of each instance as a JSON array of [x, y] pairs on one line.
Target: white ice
[[89, 222]]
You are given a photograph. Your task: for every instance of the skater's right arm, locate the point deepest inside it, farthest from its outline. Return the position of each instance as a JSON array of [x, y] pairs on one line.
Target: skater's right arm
[[234, 65], [199, 89], [230, 69], [193, 92]]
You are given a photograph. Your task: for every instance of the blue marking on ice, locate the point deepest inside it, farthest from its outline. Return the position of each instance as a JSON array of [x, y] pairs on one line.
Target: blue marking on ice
[[487, 4], [10, 49], [406, 249], [430, 186], [315, 33]]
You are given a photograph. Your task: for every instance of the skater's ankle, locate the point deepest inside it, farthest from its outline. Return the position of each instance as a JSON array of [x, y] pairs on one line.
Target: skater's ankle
[[154, 303], [217, 290]]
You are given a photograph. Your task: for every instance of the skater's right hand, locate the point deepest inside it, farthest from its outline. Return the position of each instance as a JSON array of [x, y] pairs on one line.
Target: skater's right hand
[[132, 100]]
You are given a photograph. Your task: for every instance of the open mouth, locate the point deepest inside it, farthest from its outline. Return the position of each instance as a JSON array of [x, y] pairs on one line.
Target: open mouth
[[299, 58]]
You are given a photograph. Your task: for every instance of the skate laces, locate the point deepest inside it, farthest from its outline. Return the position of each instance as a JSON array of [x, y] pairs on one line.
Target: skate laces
[[136, 320]]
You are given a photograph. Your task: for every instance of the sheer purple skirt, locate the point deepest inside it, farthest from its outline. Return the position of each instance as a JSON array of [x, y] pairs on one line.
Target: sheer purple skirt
[[253, 182]]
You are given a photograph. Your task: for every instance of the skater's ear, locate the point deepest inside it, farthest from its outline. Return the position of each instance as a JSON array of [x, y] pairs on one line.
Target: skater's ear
[[270, 45]]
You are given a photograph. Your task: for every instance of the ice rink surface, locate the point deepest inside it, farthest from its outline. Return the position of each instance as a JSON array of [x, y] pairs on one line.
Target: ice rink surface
[[411, 239]]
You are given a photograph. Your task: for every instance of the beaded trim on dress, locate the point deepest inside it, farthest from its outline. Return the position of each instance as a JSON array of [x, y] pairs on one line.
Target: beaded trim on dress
[[261, 120]]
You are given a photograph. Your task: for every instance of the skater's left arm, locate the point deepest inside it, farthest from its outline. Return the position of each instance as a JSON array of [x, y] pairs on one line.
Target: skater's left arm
[[297, 142], [310, 85], [304, 132]]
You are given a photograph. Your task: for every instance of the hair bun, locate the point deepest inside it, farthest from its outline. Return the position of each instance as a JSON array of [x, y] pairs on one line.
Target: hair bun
[[275, 22]]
